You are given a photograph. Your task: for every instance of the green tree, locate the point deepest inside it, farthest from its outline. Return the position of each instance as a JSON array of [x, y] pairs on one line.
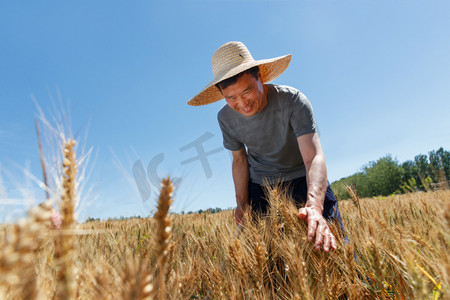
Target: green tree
[[384, 176], [439, 163], [409, 170], [357, 180], [422, 165], [410, 178]]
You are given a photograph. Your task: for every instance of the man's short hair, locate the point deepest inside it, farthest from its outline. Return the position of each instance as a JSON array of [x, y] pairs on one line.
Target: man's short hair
[[232, 80]]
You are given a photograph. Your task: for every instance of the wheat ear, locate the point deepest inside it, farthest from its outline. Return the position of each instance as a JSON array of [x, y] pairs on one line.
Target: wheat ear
[[65, 245], [163, 231], [19, 247], [351, 190]]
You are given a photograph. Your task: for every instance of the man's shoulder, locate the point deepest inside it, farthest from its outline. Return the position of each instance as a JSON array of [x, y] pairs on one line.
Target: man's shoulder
[[286, 92], [284, 89], [225, 113]]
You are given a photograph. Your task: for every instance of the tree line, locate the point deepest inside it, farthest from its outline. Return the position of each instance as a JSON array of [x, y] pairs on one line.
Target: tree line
[[387, 176]]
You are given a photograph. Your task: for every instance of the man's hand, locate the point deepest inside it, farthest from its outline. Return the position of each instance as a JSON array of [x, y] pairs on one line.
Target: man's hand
[[241, 175], [239, 215], [318, 227]]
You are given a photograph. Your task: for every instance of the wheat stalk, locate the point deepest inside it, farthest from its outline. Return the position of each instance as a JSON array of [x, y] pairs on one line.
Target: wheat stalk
[[41, 152], [356, 201], [164, 231]]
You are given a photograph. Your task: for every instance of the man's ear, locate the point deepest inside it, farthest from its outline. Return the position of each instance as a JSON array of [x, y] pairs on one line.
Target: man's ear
[[260, 77]]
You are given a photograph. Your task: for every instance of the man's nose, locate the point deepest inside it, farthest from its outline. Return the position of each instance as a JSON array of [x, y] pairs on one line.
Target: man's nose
[[243, 102]]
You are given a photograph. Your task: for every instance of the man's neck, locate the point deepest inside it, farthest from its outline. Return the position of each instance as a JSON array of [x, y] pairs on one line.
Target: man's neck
[[266, 96]]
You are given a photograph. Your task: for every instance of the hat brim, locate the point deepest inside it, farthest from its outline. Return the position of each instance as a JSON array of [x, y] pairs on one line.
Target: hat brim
[[269, 69]]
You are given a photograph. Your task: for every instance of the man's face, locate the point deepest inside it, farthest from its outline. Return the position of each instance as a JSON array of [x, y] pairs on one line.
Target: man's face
[[247, 96]]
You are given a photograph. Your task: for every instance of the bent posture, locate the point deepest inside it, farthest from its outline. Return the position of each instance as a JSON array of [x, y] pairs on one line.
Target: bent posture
[[271, 132]]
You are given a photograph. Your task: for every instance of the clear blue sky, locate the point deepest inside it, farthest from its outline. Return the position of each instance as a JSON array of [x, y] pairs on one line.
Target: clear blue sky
[[376, 72]]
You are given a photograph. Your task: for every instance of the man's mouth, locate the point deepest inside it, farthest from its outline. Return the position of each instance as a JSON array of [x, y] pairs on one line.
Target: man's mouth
[[247, 109]]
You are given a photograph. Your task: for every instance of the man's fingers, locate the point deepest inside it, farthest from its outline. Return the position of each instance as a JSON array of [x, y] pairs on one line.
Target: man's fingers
[[327, 240], [320, 235], [302, 213], [312, 227], [318, 228], [238, 215], [333, 242], [319, 241]]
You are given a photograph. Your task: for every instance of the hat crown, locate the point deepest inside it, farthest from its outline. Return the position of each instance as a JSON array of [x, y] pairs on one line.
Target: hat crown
[[228, 57], [231, 59]]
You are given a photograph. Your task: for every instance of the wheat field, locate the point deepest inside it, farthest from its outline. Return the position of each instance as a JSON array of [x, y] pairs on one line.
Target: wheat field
[[396, 248]]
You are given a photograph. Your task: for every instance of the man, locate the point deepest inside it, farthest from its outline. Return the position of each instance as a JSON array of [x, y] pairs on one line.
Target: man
[[271, 132]]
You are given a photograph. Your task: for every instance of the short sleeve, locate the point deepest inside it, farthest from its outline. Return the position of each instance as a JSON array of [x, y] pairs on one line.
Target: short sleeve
[[302, 117], [229, 142]]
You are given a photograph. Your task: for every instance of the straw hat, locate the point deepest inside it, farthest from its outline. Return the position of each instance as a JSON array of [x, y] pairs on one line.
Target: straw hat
[[231, 59]]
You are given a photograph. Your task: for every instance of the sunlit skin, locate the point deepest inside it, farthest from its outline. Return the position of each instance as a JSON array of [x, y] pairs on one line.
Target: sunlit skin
[[247, 96]]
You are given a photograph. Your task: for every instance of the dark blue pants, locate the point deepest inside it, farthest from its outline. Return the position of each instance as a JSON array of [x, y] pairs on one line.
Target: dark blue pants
[[297, 189]]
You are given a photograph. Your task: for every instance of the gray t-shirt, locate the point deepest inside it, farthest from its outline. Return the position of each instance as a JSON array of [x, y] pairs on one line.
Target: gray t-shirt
[[271, 135]]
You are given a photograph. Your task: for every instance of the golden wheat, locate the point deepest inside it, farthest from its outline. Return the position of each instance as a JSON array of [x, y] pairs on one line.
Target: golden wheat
[[402, 252], [163, 232], [65, 246], [20, 244]]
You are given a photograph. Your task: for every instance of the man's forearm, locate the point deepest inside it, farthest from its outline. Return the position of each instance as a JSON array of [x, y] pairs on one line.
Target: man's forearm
[[241, 176], [316, 177]]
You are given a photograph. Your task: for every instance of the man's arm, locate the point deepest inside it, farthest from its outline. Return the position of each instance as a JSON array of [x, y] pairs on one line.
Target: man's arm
[[316, 178], [241, 175]]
